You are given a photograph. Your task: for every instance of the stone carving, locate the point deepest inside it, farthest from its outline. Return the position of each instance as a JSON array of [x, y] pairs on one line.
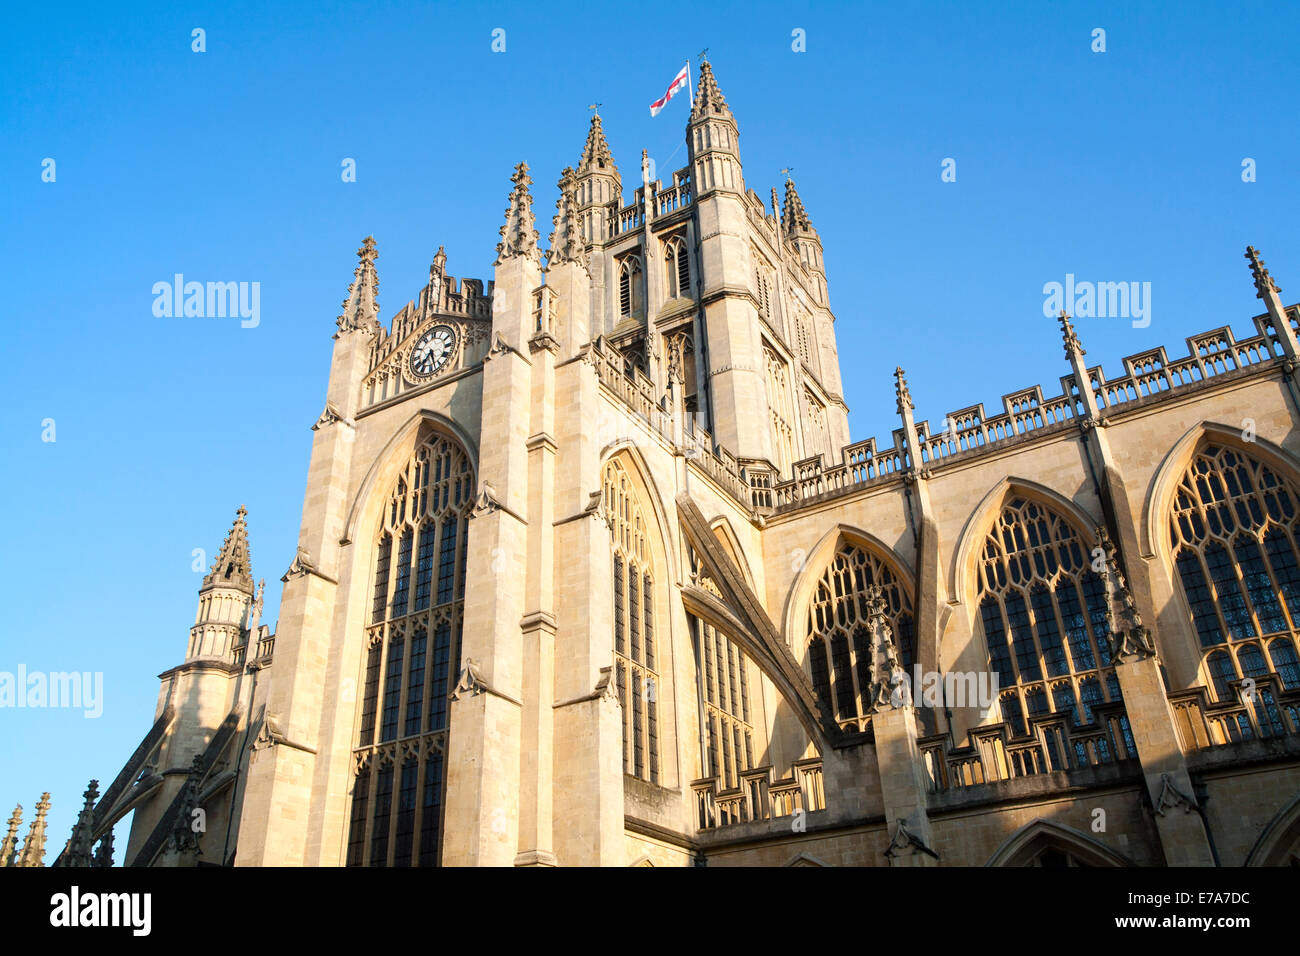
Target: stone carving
[[905, 841], [1171, 796]]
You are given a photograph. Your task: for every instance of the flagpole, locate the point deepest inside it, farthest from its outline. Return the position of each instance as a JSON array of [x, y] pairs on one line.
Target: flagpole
[[689, 88]]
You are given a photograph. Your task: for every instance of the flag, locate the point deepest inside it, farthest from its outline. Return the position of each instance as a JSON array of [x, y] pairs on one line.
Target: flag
[[679, 81]]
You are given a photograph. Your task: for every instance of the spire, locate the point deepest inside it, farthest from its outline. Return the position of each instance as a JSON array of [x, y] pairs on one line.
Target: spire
[[596, 155], [901, 391], [360, 310], [708, 98], [233, 565], [1264, 283], [81, 845], [566, 238], [9, 848], [794, 219], [34, 846], [518, 237], [1072, 345]]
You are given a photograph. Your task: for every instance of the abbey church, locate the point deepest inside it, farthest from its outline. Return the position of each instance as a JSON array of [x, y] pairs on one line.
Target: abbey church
[[590, 574]]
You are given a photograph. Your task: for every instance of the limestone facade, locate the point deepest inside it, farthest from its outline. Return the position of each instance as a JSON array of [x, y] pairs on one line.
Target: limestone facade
[[589, 573]]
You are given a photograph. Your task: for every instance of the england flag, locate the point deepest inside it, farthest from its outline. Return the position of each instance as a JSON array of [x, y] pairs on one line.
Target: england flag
[[678, 83]]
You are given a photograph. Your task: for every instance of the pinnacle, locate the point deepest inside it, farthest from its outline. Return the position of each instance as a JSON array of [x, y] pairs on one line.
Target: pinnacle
[[360, 310], [794, 218], [1264, 283], [708, 98], [1068, 335], [566, 239], [518, 235], [233, 564], [596, 154]]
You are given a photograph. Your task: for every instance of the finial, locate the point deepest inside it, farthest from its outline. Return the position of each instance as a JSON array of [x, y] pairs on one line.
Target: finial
[[901, 391], [703, 55], [1263, 281], [1072, 345]]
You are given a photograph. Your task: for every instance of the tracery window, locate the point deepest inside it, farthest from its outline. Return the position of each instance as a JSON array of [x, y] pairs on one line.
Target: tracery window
[[631, 292], [635, 667], [725, 723], [1233, 538], [818, 440], [778, 401], [1042, 611], [839, 635], [677, 267], [413, 653]]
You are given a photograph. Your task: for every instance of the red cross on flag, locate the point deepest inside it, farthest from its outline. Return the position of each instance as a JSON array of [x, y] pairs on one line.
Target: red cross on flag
[[676, 86]]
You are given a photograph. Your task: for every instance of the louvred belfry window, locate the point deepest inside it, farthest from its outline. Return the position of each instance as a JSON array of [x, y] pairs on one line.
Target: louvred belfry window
[[635, 633], [411, 660], [1233, 538]]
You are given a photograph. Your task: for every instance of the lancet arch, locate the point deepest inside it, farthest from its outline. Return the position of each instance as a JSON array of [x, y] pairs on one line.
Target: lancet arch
[[412, 580], [1231, 528]]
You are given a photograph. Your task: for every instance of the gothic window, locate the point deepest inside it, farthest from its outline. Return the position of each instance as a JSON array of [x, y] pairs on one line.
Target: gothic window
[[1233, 536], [778, 402], [818, 439], [677, 266], [411, 659], [1042, 611], [839, 638], [635, 634], [631, 292], [725, 724]]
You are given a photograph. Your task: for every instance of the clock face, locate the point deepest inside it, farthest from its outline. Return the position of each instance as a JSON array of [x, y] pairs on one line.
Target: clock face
[[433, 350]]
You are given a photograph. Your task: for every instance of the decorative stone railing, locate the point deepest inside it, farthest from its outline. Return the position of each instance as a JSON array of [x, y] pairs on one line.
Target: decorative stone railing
[[664, 200], [1259, 711], [759, 796], [1147, 376], [636, 391], [1054, 743]]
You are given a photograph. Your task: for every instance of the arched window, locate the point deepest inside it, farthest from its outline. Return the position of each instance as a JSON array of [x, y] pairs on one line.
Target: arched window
[[839, 637], [816, 435], [1233, 538], [1042, 612], [635, 633], [778, 401], [728, 730], [677, 266], [631, 295], [413, 653]]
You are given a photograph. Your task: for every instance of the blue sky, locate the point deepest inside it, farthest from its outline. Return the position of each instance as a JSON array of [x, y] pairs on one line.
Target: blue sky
[[225, 165]]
